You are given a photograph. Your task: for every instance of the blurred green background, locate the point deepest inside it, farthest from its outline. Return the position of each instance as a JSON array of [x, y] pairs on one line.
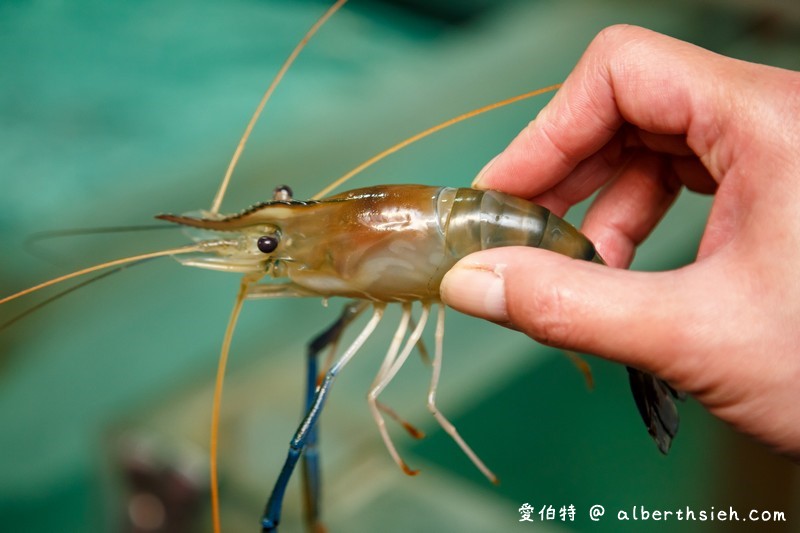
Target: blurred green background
[[110, 114]]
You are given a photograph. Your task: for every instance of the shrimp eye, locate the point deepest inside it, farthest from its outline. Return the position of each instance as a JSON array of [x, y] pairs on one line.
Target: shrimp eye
[[282, 193], [267, 244]]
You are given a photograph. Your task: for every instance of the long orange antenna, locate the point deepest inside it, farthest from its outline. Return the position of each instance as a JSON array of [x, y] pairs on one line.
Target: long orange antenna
[[421, 135], [246, 282], [278, 77], [215, 411], [101, 266]]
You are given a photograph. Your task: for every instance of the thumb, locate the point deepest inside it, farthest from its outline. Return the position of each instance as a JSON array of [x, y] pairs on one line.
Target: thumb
[[629, 317]]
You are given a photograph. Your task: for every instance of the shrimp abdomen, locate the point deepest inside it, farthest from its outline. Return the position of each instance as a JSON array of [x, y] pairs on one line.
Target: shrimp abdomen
[[480, 220]]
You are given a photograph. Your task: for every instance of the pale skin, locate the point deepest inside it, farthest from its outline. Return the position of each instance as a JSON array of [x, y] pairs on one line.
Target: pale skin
[[642, 116]]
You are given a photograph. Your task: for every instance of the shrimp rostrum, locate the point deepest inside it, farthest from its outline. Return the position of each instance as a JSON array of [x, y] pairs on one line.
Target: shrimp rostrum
[[382, 245]]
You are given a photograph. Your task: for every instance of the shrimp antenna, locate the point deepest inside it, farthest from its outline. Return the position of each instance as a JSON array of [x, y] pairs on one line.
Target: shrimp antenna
[[217, 404], [102, 266], [67, 291], [76, 232], [31, 243], [267, 94], [421, 135]]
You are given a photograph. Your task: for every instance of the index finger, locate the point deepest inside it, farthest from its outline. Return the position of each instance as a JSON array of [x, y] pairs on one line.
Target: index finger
[[627, 74]]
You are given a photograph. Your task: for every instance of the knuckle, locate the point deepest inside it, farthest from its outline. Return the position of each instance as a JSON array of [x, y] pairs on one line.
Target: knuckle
[[547, 316], [615, 48], [612, 35], [564, 153]]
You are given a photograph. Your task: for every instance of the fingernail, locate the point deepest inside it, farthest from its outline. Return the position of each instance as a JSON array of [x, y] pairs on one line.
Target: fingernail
[[477, 290], [477, 181]]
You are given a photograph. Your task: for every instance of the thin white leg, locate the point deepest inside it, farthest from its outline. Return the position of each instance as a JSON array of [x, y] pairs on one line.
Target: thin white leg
[[446, 425], [391, 365]]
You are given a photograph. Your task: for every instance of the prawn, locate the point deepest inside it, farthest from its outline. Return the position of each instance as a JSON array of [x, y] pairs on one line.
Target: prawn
[[376, 246]]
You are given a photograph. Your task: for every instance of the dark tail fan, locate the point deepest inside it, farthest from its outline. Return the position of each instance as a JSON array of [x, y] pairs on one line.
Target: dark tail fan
[[654, 398]]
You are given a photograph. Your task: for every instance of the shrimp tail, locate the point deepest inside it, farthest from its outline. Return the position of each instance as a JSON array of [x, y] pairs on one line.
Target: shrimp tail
[[654, 398]]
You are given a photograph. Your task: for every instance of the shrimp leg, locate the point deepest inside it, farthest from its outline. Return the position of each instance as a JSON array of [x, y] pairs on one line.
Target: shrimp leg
[[310, 462], [278, 290], [391, 365], [443, 422], [272, 511]]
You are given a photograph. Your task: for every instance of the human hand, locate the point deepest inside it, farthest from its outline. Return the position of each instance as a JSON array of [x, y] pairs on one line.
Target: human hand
[[641, 116]]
